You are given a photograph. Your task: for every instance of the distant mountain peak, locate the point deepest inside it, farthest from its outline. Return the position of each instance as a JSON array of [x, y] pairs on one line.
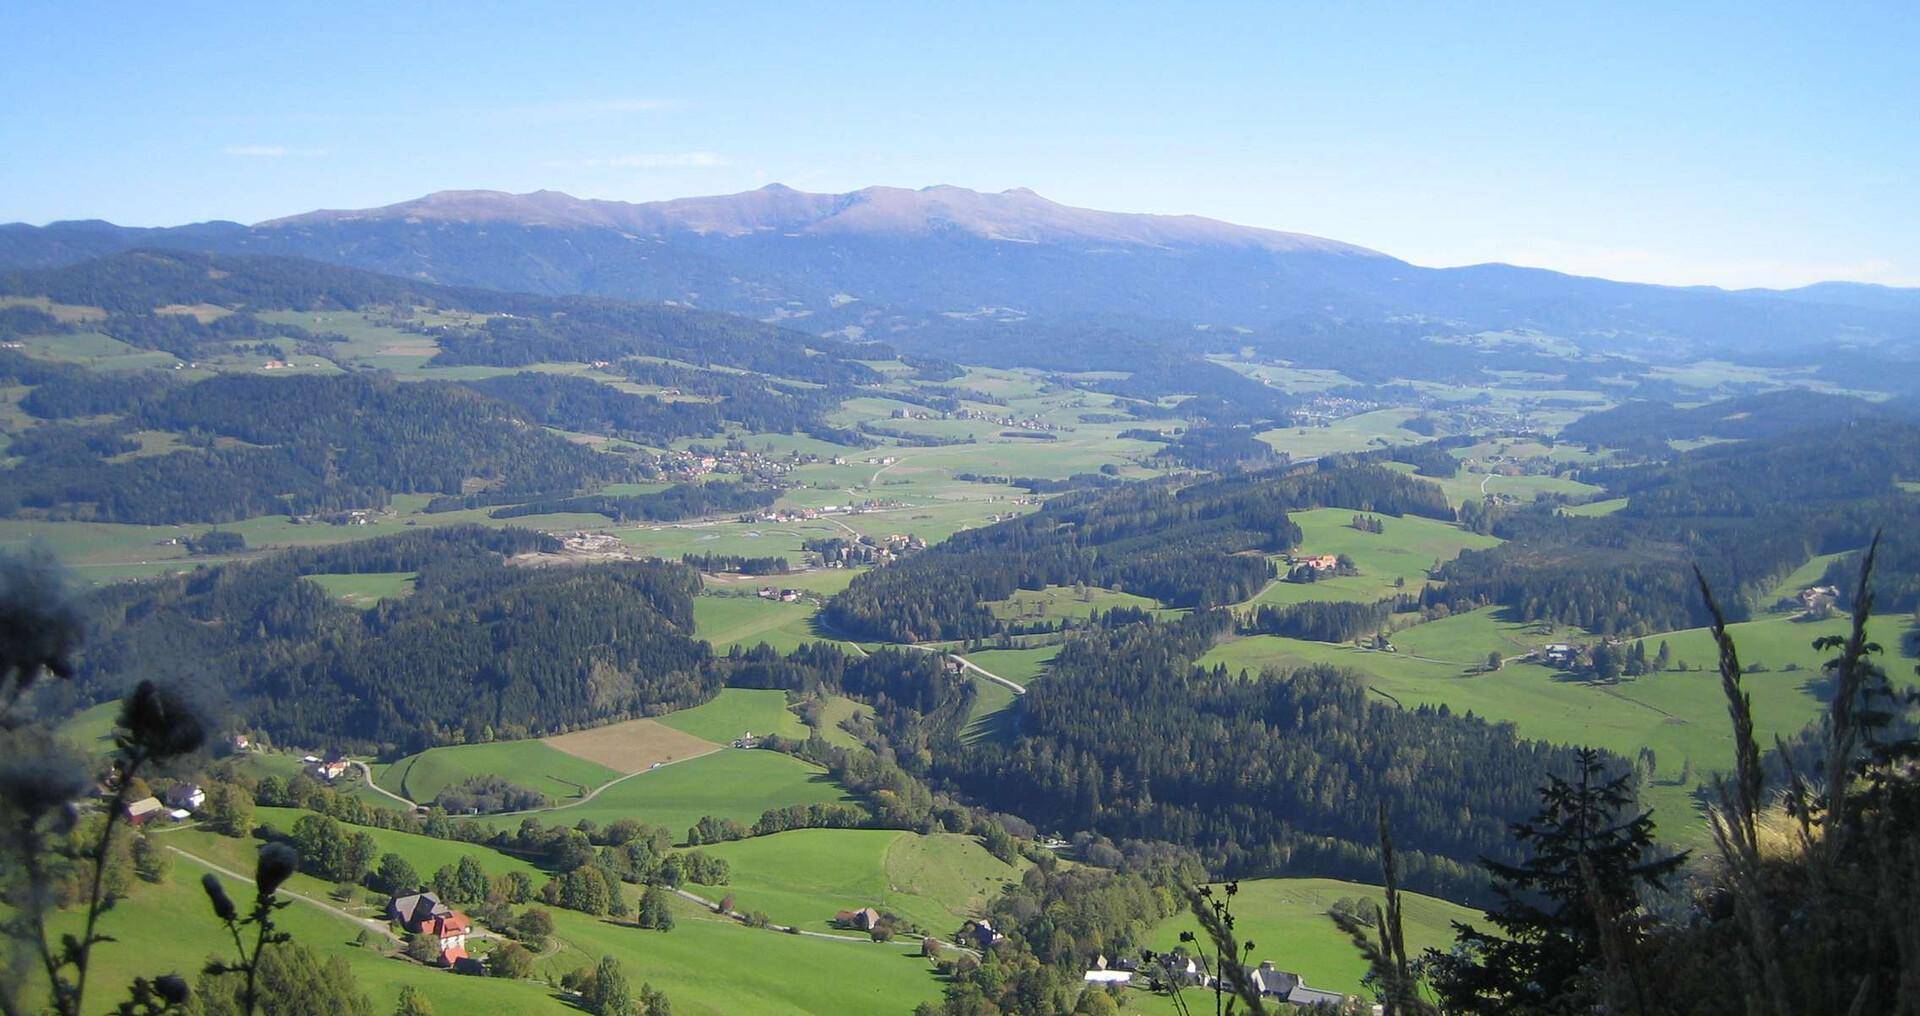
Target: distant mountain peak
[[1015, 215]]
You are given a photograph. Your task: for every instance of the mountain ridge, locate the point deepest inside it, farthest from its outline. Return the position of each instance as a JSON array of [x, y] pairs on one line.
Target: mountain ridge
[[1017, 215]]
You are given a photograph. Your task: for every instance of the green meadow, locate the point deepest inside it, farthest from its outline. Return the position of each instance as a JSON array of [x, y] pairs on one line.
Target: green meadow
[[367, 588], [745, 620], [1053, 603], [706, 965], [803, 877], [834, 709], [1286, 920], [1021, 666], [991, 718], [1378, 429], [1401, 554], [736, 783], [531, 764], [1682, 716], [736, 711]]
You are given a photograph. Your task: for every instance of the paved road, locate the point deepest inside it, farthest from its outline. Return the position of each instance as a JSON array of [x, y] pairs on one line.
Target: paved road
[[377, 788], [1018, 689], [908, 942], [595, 792]]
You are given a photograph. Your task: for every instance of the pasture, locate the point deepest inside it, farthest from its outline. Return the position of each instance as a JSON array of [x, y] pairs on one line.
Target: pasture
[[746, 620], [1395, 560], [991, 718], [630, 746], [1682, 716], [735, 783], [1286, 919], [804, 876], [1378, 429], [706, 965], [1021, 666], [1053, 603], [367, 588], [531, 764], [736, 711]]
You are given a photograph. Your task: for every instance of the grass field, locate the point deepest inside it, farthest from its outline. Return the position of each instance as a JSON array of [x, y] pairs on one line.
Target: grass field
[[1403, 552], [367, 588], [1020, 666], [1056, 602], [531, 764], [748, 621], [803, 877], [92, 728], [705, 965], [630, 746], [168, 928], [736, 711], [1681, 716], [1378, 429], [835, 709], [735, 783], [1286, 919], [990, 719]]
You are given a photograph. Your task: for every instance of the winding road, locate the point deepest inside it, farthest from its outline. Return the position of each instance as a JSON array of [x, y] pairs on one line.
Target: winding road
[[1018, 689], [377, 788]]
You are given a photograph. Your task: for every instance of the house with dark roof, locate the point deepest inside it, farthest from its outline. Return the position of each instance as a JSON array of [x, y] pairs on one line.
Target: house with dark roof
[[1292, 988], [983, 936], [423, 914], [865, 918], [186, 796]]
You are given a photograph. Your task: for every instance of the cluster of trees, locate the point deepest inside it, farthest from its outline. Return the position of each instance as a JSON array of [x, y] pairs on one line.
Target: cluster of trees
[[1186, 547], [715, 563], [1326, 621], [1219, 449], [484, 795], [1057, 920]]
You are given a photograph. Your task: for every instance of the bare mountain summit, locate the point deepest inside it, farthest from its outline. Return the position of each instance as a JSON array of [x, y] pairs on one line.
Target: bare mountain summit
[[1015, 216]]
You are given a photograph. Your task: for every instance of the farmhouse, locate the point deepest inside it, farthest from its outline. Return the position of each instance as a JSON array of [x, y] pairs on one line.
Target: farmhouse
[[1320, 563], [1818, 597], [145, 810], [186, 796], [1292, 988], [424, 914], [983, 935], [864, 919]]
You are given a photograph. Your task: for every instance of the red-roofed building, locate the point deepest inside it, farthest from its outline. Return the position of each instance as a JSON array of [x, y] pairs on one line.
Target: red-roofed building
[[424, 914]]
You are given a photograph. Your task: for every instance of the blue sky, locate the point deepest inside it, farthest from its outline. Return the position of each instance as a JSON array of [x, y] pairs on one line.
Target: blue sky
[[1683, 143]]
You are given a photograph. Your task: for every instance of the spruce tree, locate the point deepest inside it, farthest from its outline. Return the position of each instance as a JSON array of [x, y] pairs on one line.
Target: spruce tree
[[1571, 907]]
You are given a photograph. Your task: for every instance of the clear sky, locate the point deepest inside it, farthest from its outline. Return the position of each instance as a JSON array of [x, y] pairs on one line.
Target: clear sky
[[1745, 144]]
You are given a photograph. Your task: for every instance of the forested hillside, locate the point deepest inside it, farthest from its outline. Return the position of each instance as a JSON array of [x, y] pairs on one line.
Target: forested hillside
[[1185, 546], [1284, 771], [1748, 513], [479, 645], [295, 445]]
